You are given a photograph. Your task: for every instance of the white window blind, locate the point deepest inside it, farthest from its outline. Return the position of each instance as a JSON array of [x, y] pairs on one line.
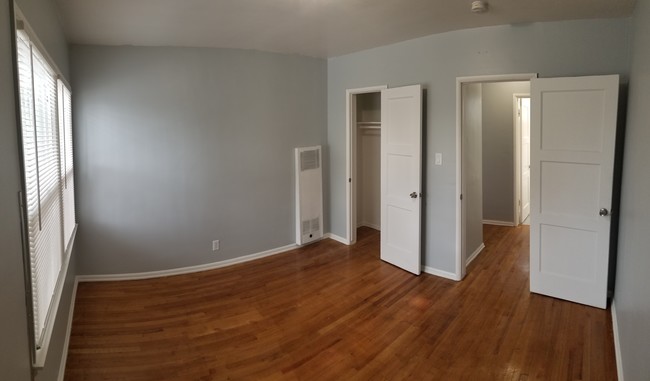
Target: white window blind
[[46, 131]]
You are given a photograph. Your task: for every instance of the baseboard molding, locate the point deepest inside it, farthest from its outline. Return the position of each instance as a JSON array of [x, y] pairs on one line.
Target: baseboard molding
[[371, 226], [185, 270], [68, 330], [337, 238], [499, 223], [197, 268], [617, 343], [475, 254], [440, 273]]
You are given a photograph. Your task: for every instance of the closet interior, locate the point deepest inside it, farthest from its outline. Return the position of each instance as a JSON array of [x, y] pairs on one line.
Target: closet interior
[[368, 147]]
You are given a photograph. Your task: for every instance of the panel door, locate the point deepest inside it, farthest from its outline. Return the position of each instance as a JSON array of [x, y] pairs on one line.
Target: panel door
[[572, 156], [401, 117]]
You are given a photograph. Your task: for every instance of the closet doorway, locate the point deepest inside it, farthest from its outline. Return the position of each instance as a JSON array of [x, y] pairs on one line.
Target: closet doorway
[[364, 160]]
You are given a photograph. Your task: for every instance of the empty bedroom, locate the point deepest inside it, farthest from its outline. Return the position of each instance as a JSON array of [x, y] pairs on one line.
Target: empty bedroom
[[324, 190]]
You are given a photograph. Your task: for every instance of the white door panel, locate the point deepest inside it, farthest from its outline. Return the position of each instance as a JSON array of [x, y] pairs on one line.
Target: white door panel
[[570, 120], [401, 121], [573, 127]]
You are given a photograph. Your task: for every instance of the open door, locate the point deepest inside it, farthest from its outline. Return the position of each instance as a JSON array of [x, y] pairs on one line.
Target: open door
[[401, 116], [573, 130]]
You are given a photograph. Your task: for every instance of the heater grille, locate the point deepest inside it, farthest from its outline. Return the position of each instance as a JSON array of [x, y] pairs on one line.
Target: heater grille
[[309, 195]]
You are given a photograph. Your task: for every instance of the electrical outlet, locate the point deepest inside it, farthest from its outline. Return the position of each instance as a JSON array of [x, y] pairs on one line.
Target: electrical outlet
[[215, 245]]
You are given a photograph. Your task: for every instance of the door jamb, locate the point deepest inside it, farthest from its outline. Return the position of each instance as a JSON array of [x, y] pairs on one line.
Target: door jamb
[[351, 158], [460, 260]]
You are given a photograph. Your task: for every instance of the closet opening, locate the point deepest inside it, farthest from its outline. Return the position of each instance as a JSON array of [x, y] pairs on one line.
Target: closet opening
[[363, 160]]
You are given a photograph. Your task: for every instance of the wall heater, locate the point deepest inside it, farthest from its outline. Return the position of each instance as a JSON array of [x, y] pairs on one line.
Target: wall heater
[[309, 195]]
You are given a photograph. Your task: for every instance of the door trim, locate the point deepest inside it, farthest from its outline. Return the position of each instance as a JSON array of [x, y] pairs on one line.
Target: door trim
[[460, 261], [351, 158]]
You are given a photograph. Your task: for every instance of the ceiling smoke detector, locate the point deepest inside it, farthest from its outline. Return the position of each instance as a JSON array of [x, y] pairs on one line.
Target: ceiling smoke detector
[[479, 6]]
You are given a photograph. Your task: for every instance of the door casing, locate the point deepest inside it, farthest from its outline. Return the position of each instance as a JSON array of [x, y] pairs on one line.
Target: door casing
[[460, 263]]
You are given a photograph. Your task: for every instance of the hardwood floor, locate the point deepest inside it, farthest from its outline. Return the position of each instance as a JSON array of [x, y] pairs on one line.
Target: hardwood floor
[[333, 312]]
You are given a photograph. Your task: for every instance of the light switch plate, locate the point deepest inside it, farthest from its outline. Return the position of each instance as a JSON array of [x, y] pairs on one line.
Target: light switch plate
[[438, 158]]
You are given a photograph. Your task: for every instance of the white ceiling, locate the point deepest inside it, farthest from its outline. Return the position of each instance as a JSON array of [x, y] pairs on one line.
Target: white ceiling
[[318, 28]]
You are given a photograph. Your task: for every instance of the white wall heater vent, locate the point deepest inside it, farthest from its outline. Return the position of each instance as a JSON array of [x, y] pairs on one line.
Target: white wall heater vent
[[309, 195]]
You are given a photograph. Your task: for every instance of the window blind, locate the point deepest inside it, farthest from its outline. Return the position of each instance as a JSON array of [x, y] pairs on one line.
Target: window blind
[[46, 131]]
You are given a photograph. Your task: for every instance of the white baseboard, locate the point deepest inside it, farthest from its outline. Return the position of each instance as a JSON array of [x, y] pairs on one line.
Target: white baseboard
[[197, 268], [185, 270], [335, 237], [499, 223], [440, 273], [68, 330], [617, 343], [475, 254], [370, 225]]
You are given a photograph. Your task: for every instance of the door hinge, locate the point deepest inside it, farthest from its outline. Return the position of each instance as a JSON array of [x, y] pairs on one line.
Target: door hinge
[[350, 179], [461, 197]]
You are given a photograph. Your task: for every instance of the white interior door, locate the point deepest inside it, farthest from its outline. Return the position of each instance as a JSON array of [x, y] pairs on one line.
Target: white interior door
[[401, 135], [572, 157], [525, 157]]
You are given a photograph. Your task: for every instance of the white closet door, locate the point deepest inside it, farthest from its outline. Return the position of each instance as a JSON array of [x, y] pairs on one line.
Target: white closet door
[[401, 135]]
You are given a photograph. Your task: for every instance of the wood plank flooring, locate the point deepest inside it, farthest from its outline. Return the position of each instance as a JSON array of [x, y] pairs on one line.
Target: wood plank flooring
[[333, 312]]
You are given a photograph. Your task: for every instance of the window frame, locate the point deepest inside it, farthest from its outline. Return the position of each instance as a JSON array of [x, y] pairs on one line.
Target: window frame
[[39, 342]]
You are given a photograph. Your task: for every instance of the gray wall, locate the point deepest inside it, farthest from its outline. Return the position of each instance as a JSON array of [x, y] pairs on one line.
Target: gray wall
[[550, 49], [14, 345], [498, 149], [472, 166], [632, 292], [43, 16], [180, 146]]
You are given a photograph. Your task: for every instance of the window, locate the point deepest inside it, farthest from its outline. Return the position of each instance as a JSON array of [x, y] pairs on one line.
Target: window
[[48, 203]]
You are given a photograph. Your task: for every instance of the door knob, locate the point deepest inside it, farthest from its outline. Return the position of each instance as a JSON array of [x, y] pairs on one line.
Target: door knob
[[603, 212], [413, 195]]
